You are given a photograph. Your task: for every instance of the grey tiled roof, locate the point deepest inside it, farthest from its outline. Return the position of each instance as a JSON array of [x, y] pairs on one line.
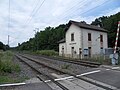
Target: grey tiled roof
[[86, 26], [82, 25], [62, 41]]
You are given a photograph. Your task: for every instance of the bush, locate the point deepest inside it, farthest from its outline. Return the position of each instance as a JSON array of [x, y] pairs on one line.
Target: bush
[[47, 52], [6, 63]]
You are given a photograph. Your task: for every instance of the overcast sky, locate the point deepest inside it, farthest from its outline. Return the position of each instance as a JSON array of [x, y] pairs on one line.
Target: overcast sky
[[26, 15]]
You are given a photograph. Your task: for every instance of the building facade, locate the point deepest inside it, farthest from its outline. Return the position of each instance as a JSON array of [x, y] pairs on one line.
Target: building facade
[[82, 40]]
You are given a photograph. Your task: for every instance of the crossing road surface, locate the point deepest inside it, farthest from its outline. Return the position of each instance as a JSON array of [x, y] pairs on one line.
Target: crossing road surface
[[108, 76]]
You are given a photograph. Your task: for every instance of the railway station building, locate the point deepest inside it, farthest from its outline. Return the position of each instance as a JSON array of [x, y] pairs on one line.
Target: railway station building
[[83, 40]]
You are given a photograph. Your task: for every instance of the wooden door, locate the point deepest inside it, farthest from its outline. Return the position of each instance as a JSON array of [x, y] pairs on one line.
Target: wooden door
[[72, 51]]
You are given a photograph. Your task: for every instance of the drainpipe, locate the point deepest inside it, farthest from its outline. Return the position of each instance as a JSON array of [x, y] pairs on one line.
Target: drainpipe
[[82, 43]]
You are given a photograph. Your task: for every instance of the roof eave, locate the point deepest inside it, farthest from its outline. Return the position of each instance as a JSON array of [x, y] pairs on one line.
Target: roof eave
[[95, 29]]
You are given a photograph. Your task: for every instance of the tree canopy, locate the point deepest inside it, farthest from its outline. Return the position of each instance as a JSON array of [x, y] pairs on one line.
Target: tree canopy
[[45, 40], [109, 23]]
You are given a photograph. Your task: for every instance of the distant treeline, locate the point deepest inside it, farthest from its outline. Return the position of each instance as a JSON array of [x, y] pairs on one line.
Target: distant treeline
[[3, 46], [48, 39], [45, 40]]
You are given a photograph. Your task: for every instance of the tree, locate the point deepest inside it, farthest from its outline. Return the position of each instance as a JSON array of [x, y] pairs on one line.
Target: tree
[[109, 23], [1, 46], [45, 40]]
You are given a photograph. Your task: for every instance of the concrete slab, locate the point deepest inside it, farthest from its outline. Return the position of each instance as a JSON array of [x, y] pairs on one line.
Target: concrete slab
[[30, 86], [77, 84], [33, 80], [86, 85], [114, 67], [110, 77], [54, 86], [70, 85]]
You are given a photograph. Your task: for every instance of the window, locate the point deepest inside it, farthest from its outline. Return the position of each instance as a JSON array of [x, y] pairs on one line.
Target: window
[[89, 51], [72, 37], [101, 50], [62, 50], [72, 51], [101, 38], [89, 36], [62, 47]]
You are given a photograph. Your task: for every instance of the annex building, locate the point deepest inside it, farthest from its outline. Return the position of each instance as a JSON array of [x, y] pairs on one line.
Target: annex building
[[83, 40]]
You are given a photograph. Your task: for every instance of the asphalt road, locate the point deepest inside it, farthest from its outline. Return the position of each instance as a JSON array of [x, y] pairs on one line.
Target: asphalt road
[[108, 76]]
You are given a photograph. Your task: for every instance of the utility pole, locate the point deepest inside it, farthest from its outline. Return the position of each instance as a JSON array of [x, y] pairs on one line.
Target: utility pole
[[36, 42], [8, 39], [8, 23]]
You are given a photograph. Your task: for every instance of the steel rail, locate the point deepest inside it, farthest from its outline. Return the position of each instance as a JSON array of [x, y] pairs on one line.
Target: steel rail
[[71, 74], [78, 62], [57, 83]]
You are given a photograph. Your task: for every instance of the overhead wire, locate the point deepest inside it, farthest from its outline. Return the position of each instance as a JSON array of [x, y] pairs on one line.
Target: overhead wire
[[79, 3], [66, 14], [84, 11], [35, 12], [89, 10], [36, 3]]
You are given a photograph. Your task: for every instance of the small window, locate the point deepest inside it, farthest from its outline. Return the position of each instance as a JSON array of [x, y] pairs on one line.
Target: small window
[[101, 38], [72, 37], [101, 50], [62, 47], [89, 36]]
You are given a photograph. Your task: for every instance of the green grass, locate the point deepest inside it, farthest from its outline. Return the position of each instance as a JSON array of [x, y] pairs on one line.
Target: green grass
[[100, 60], [7, 79], [6, 63], [65, 66], [4, 79], [47, 52], [8, 68]]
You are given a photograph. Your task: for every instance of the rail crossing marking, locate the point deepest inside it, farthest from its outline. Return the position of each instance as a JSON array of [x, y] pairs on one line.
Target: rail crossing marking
[[59, 79], [107, 69], [115, 67], [83, 74], [70, 77], [88, 73], [13, 84]]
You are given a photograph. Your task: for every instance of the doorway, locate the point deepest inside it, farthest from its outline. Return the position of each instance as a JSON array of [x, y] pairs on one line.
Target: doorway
[[89, 51], [72, 51], [62, 50]]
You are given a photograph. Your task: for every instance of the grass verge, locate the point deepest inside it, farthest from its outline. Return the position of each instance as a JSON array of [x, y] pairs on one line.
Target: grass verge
[[9, 71], [47, 52], [6, 63]]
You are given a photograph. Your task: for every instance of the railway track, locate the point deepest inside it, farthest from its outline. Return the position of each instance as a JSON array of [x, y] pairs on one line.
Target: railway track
[[36, 68], [57, 70], [78, 62]]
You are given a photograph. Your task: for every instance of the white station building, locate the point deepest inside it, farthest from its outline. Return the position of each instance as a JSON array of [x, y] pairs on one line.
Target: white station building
[[82, 40]]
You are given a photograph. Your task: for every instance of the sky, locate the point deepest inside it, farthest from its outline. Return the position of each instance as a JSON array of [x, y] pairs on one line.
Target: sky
[[20, 18]]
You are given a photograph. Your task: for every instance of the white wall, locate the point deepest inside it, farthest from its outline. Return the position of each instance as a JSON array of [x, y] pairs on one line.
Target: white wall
[[60, 48], [95, 40], [77, 39]]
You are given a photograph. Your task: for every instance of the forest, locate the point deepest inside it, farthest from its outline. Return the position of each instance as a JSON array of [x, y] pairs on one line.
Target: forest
[[49, 37]]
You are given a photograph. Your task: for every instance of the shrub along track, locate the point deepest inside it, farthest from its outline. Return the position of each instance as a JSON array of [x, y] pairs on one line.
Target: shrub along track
[[48, 75], [79, 62]]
